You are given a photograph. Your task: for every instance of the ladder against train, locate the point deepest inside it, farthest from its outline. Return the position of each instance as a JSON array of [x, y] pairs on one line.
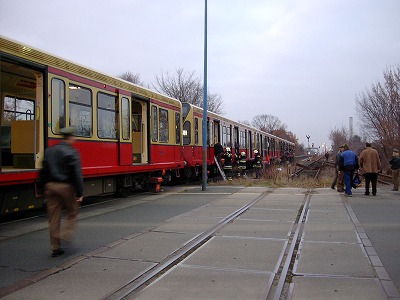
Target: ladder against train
[[219, 168]]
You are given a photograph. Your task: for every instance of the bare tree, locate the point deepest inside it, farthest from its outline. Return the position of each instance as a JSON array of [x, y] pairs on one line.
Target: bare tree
[[245, 122], [379, 110], [186, 87], [268, 123], [273, 125], [342, 136], [338, 137], [134, 78]]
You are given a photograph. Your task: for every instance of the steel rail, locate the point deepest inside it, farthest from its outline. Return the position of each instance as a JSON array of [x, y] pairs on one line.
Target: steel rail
[[289, 257], [136, 283]]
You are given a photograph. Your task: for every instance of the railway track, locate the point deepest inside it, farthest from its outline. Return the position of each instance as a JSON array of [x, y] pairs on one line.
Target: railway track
[[312, 169], [278, 287]]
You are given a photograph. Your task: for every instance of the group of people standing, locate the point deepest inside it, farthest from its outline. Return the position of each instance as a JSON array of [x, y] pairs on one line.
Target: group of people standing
[[241, 160], [348, 164]]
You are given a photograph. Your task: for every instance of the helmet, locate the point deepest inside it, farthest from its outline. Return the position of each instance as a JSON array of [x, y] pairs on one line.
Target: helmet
[[255, 151], [243, 153], [228, 149]]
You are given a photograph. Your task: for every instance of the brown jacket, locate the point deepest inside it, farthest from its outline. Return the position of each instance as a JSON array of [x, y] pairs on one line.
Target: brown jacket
[[369, 161]]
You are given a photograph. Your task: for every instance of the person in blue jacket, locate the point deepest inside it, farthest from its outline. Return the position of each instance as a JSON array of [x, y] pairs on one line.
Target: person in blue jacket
[[349, 163]]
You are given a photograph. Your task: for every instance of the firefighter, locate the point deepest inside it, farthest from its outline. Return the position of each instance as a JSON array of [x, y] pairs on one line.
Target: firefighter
[[257, 164], [242, 165], [228, 163]]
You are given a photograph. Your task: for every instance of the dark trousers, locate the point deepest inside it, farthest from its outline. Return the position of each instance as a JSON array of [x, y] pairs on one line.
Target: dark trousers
[[258, 172], [370, 178], [61, 195], [348, 181], [335, 179]]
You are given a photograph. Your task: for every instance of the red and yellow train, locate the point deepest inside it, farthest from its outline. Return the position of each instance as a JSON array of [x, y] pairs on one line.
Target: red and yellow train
[[127, 135]]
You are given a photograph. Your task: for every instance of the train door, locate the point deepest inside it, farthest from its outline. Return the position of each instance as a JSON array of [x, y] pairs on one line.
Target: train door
[[125, 138], [21, 118], [217, 134], [139, 131], [236, 139], [250, 140]]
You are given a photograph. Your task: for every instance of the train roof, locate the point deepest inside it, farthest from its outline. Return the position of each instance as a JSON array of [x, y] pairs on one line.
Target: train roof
[[217, 116], [43, 58]]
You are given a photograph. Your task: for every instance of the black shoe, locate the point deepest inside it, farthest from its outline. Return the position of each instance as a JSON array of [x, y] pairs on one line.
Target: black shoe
[[332, 187], [366, 194], [57, 252]]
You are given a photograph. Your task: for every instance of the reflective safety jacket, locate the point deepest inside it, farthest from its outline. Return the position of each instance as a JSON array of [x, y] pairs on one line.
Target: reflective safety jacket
[[242, 162], [257, 161], [228, 160]]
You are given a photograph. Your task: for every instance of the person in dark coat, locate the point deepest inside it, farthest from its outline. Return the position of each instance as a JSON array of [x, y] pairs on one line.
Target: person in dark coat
[[242, 164], [61, 178], [218, 151], [228, 163], [257, 163]]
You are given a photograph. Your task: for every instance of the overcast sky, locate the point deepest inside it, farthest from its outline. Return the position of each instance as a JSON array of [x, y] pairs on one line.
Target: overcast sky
[[303, 61]]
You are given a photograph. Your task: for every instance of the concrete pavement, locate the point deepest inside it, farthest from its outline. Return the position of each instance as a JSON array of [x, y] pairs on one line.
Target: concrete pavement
[[334, 258]]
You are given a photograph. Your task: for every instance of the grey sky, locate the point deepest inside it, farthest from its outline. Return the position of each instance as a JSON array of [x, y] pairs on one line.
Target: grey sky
[[303, 61]]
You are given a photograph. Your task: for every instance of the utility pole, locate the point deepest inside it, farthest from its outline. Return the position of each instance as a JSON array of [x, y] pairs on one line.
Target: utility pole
[[204, 161]]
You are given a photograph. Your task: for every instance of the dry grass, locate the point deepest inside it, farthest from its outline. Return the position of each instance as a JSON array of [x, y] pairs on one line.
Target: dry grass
[[278, 176]]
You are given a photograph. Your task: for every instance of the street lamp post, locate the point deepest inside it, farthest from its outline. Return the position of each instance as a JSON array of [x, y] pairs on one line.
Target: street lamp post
[[204, 149]]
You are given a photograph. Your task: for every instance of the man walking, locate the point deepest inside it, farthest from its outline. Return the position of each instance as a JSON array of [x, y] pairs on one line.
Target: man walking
[[370, 165], [348, 163], [395, 166], [63, 183]]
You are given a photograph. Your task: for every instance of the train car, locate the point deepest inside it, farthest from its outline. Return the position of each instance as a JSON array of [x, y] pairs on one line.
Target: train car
[[239, 137], [126, 134]]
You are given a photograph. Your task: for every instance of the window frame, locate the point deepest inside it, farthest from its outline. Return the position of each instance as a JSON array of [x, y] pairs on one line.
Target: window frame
[[177, 128], [125, 126], [15, 110], [81, 105], [163, 130], [61, 100], [188, 135], [196, 131], [116, 116], [154, 123]]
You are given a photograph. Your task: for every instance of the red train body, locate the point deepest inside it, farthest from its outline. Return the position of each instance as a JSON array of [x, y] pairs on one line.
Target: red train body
[[127, 135]]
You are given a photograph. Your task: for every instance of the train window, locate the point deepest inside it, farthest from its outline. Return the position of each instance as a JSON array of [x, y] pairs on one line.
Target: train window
[[57, 105], [107, 120], [17, 109], [229, 136], [178, 127], [164, 129], [80, 110], [224, 141], [125, 122], [186, 133], [242, 143], [185, 109], [154, 122], [196, 131]]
